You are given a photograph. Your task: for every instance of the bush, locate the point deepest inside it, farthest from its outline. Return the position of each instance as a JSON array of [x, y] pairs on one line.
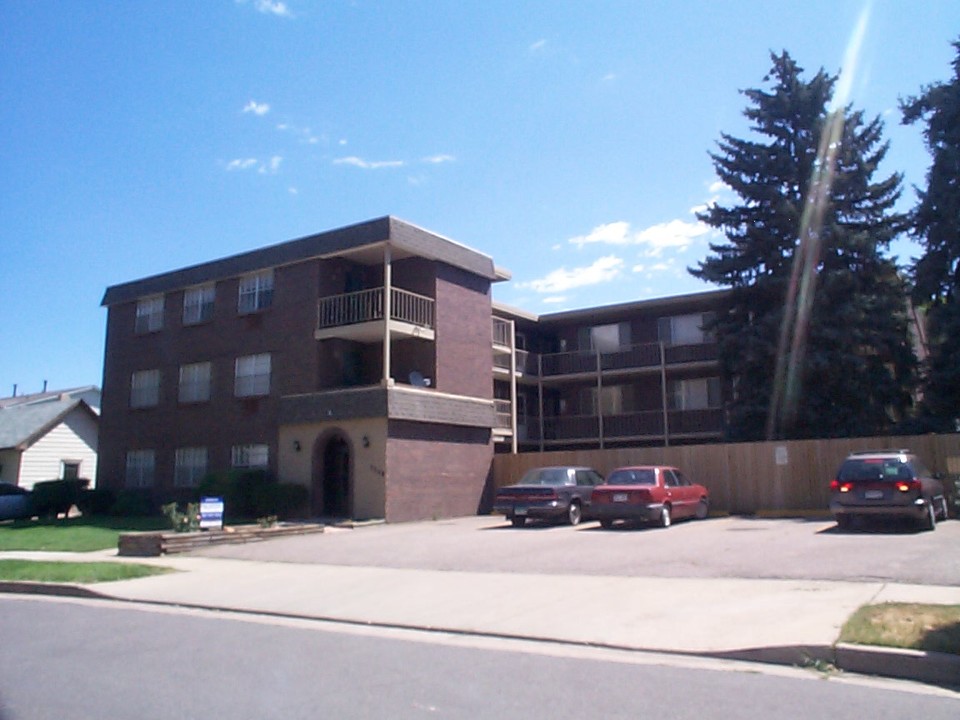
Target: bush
[[134, 502], [252, 494], [55, 497], [98, 501]]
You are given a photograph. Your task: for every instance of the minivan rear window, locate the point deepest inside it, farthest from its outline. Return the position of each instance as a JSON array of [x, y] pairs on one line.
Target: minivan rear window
[[874, 469]]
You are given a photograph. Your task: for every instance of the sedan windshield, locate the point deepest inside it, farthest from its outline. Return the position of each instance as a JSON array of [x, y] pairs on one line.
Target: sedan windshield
[[646, 476]]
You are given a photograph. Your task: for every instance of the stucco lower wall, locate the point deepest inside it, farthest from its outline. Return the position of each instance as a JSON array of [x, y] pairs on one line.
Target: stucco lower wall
[[436, 471], [367, 460]]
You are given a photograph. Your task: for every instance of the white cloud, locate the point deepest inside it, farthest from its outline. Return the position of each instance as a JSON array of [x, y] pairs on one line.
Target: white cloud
[[538, 45], [293, 191], [438, 159], [679, 234], [555, 300], [271, 166], [716, 187], [367, 164], [241, 164], [270, 7], [256, 108], [602, 270]]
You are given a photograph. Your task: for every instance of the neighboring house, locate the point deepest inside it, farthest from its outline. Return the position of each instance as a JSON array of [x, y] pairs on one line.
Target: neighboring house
[[47, 439], [369, 364], [90, 394]]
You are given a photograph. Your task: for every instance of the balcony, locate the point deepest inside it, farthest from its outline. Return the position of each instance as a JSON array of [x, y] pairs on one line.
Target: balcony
[[641, 357], [359, 315], [636, 426]]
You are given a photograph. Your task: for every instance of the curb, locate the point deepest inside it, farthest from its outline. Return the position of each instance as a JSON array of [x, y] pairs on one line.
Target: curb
[[933, 668]]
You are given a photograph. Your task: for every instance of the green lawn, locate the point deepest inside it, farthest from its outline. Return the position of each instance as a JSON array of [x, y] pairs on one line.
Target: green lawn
[[73, 535], [74, 572], [906, 625]]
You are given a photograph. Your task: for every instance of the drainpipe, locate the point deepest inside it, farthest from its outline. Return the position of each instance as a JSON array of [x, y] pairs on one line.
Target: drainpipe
[[387, 312]]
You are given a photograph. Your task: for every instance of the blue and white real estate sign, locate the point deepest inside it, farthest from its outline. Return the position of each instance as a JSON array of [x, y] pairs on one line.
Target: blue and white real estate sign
[[211, 513]]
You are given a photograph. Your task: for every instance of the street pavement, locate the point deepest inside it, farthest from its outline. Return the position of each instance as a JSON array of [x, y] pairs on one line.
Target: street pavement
[[779, 620]]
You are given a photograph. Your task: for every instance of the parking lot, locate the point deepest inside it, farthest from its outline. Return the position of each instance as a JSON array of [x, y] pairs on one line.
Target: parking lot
[[729, 547]]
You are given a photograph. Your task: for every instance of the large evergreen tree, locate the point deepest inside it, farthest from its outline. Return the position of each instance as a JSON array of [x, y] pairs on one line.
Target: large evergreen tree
[[936, 223], [814, 338]]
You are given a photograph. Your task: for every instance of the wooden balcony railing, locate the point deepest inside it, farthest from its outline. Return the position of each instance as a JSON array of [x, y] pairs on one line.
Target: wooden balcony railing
[[367, 305]]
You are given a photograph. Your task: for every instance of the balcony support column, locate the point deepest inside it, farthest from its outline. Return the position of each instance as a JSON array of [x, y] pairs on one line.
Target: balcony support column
[[663, 395], [600, 398], [387, 312], [513, 386]]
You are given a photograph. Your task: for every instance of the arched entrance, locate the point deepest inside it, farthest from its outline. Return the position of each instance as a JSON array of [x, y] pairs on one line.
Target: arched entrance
[[331, 477]]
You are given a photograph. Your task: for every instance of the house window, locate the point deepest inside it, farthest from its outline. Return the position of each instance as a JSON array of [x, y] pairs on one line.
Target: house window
[[250, 456], [256, 292], [252, 375], [685, 329], [149, 314], [198, 304], [145, 388], [604, 338], [140, 465], [70, 469], [191, 466], [696, 394], [194, 382]]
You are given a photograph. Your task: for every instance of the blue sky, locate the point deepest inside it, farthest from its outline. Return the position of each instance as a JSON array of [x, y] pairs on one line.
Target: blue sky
[[567, 140]]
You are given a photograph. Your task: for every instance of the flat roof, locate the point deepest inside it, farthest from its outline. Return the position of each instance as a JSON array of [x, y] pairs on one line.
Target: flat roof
[[406, 238]]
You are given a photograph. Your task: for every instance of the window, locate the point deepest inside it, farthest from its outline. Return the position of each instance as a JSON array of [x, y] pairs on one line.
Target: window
[[697, 394], [198, 304], [194, 382], [252, 375], [145, 388], [685, 329], [69, 469], [256, 292], [191, 466], [604, 338], [149, 314], [250, 456], [140, 464]]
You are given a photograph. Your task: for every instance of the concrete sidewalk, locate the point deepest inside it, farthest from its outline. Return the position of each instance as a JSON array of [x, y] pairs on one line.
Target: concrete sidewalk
[[781, 621]]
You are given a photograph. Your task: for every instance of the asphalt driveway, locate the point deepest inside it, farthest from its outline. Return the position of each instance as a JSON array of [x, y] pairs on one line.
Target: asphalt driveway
[[727, 547]]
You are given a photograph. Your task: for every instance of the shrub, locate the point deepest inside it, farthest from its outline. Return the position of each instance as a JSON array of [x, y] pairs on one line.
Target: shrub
[[251, 494], [55, 497], [134, 502], [187, 521], [98, 501]]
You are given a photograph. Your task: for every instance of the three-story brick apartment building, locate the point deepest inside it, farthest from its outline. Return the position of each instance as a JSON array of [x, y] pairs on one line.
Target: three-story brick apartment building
[[355, 361], [369, 364]]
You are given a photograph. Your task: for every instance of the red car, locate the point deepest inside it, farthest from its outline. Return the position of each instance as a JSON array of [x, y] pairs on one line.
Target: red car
[[648, 493]]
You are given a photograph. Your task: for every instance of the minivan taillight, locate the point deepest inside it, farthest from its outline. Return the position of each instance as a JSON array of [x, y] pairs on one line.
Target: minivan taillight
[[837, 486], [908, 485]]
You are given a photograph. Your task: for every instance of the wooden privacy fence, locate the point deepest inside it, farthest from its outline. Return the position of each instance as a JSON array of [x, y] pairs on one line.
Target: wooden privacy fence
[[747, 477]]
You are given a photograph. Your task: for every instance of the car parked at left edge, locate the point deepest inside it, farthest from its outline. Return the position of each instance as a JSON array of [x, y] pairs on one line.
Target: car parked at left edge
[[559, 493], [15, 502]]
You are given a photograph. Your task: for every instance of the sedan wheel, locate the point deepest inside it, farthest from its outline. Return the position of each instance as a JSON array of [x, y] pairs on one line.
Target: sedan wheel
[[518, 521], [664, 521], [574, 514], [930, 522], [703, 509]]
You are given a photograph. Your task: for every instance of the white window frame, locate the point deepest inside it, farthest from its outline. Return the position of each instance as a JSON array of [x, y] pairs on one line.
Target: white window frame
[[149, 314], [685, 329], [252, 375], [195, 383], [256, 292], [694, 394], [140, 468], [250, 457], [198, 304], [145, 389], [190, 467]]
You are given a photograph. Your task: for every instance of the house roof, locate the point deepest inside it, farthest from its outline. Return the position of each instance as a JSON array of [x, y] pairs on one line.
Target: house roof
[[22, 425], [48, 395], [403, 237]]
